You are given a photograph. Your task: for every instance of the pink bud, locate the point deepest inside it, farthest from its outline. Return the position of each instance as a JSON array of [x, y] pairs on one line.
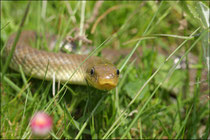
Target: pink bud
[[41, 124]]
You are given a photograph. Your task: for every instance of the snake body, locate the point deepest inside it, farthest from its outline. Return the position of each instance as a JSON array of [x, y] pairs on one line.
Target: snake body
[[95, 71]]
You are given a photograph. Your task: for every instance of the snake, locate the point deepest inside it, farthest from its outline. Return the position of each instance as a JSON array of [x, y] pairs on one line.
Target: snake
[[78, 69]]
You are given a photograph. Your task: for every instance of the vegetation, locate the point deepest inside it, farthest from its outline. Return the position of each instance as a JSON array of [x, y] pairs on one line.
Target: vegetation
[[155, 97]]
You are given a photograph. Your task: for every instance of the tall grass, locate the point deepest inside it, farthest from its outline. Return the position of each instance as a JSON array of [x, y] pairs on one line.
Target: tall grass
[[154, 99]]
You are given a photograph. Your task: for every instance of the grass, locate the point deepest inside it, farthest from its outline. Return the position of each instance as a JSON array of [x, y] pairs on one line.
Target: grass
[[153, 99]]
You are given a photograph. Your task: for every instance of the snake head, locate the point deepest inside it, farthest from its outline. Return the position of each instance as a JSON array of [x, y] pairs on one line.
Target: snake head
[[103, 76]]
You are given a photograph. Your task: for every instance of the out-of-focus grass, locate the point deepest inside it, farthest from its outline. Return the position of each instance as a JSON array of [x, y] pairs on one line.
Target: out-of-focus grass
[[153, 99]]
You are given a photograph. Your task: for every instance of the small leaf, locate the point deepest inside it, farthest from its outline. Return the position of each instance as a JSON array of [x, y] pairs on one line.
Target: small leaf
[[133, 87]]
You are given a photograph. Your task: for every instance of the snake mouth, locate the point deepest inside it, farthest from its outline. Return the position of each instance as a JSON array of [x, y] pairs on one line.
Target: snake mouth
[[107, 87], [103, 84], [107, 84]]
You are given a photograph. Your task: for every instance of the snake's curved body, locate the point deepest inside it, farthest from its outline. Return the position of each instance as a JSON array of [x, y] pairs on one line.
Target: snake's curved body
[[95, 71]]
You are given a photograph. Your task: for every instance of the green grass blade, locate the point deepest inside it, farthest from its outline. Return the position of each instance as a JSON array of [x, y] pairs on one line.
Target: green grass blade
[[184, 123], [92, 113], [139, 113], [16, 40]]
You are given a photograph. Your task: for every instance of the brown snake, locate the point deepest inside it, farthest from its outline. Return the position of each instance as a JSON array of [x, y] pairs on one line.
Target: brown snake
[[95, 71]]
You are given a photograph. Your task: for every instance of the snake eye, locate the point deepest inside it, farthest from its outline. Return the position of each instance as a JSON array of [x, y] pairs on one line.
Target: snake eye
[[92, 71], [118, 72]]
